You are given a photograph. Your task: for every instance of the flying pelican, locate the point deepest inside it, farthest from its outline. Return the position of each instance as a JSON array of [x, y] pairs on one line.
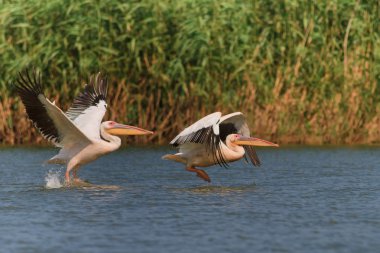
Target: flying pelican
[[79, 132], [216, 139]]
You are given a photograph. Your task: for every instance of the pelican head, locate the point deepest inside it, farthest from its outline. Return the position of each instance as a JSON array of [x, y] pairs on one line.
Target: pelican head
[[241, 140], [115, 128]]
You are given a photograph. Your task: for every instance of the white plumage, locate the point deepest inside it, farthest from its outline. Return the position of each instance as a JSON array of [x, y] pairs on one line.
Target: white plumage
[[79, 132], [91, 118], [215, 139], [68, 133]]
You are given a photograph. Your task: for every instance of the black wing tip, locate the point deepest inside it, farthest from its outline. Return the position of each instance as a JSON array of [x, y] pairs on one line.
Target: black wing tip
[[93, 92], [207, 137], [29, 88], [29, 80], [98, 85], [213, 144], [253, 157], [201, 136]]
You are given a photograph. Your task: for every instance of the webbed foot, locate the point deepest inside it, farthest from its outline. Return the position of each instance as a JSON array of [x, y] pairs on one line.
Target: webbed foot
[[200, 173]]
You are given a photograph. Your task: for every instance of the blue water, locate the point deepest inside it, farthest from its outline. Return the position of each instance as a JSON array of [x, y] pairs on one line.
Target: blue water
[[300, 200]]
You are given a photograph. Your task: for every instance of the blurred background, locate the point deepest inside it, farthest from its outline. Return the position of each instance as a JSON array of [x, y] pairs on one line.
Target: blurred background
[[303, 72]]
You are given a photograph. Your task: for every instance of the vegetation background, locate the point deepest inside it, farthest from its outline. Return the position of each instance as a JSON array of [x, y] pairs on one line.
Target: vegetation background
[[301, 71]]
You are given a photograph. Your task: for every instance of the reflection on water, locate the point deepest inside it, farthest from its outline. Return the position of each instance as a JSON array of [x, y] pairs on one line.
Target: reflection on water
[[300, 200], [55, 179], [218, 189], [94, 187]]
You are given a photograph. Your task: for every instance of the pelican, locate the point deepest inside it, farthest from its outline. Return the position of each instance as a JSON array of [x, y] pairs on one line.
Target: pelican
[[80, 132], [216, 139]]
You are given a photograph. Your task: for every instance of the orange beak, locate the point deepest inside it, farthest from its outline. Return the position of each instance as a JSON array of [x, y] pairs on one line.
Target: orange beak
[[120, 129], [251, 141]]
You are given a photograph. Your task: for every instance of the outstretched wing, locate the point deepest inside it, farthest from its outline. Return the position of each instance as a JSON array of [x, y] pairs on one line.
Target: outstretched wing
[[204, 131], [199, 131], [89, 107], [235, 123], [51, 122]]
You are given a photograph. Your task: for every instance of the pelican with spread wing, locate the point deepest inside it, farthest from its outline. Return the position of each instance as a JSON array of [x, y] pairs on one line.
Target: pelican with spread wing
[[80, 132], [216, 139]]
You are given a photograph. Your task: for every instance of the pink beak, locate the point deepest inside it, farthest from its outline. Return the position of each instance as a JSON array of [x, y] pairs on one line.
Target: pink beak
[[120, 129], [251, 141]]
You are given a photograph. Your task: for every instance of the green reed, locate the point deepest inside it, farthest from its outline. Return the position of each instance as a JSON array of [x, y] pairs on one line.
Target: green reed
[[302, 71]]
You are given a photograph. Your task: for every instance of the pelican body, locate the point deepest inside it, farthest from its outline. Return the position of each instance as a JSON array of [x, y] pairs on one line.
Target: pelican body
[[80, 132], [216, 139]]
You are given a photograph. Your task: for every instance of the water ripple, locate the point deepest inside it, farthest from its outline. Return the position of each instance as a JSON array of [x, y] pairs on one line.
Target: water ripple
[[301, 200]]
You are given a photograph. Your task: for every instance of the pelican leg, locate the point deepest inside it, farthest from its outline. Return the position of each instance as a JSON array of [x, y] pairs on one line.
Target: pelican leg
[[71, 166], [67, 176], [200, 173], [75, 175]]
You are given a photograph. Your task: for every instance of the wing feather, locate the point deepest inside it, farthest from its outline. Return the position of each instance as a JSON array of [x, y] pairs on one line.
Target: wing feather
[[199, 131], [250, 153], [235, 123], [204, 131], [89, 107], [51, 122]]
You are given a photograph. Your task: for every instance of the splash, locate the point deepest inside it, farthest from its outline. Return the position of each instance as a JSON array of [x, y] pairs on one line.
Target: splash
[[53, 180]]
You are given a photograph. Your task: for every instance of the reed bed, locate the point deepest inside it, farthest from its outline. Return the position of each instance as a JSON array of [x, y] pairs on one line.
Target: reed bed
[[301, 71]]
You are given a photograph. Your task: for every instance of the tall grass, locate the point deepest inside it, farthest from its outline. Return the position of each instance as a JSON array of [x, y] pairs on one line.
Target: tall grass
[[302, 71]]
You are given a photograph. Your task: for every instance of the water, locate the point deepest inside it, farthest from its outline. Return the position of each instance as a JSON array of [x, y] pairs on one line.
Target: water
[[54, 180], [300, 200]]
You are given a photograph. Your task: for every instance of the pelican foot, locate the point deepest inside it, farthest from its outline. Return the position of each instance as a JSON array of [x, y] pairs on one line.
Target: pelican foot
[[68, 183], [78, 181], [200, 173], [67, 179]]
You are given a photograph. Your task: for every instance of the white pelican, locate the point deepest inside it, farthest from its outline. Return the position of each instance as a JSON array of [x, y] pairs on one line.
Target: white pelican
[[79, 132], [216, 139]]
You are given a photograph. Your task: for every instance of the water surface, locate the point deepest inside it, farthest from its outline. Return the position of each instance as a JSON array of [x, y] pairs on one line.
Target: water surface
[[300, 200]]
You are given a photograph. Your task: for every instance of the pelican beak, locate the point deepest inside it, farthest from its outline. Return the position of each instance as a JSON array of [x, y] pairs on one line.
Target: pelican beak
[[120, 129], [251, 141]]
